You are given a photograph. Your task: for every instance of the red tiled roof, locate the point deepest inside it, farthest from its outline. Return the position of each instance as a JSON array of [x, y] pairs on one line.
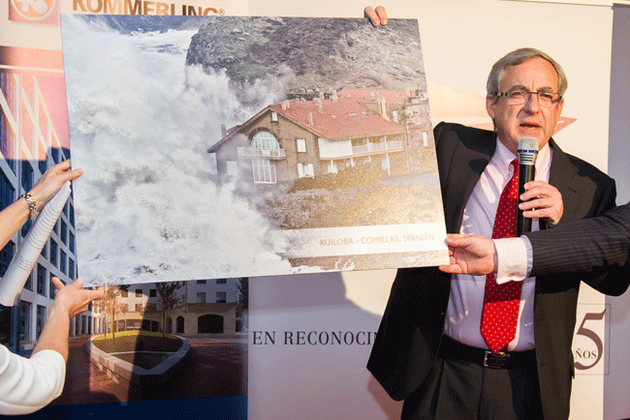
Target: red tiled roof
[[370, 95], [343, 119]]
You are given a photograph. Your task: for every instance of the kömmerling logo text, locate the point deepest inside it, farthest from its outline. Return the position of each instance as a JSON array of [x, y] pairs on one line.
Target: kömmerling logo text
[[141, 7]]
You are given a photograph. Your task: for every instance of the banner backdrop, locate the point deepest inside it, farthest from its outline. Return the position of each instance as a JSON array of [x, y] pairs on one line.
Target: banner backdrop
[[309, 335]]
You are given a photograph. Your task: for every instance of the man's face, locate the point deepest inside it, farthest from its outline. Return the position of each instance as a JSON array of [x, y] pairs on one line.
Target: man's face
[[514, 122]]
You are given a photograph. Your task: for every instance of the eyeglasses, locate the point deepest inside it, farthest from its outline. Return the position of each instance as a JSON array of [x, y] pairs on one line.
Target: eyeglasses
[[520, 96]]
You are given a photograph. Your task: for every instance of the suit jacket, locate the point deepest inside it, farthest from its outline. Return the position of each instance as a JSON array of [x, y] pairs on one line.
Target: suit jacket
[[596, 247], [411, 329]]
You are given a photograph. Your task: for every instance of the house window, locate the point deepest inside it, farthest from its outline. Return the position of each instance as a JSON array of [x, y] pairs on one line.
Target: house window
[[138, 307], [264, 171], [71, 242], [62, 261], [274, 116], [138, 292], [265, 140], [305, 170], [29, 281], [71, 273], [232, 167], [202, 281], [7, 192], [221, 281], [51, 292], [201, 297], [5, 256], [221, 297], [43, 165], [64, 232], [395, 116], [41, 280], [41, 318], [152, 292], [332, 167], [44, 249], [27, 176], [24, 321], [301, 145], [425, 139]]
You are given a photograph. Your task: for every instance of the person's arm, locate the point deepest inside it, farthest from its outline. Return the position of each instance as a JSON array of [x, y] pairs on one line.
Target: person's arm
[[26, 385], [14, 216], [592, 247], [69, 301]]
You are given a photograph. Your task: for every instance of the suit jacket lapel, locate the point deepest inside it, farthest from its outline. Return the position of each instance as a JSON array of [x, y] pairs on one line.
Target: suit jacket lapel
[[563, 176], [461, 173]]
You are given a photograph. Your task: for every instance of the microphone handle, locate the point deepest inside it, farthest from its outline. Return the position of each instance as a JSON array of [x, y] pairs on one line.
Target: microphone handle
[[525, 175]]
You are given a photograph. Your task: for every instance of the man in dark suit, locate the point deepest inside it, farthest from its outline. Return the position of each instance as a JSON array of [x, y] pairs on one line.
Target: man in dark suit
[[594, 247], [429, 350]]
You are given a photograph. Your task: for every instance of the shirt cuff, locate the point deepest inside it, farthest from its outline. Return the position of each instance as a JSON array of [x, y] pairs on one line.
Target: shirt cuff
[[513, 259]]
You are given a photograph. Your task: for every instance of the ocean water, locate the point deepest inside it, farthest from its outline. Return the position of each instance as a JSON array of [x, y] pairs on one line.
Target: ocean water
[[140, 124]]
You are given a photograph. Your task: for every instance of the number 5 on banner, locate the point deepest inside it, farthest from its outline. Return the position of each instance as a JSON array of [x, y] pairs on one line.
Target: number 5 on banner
[[590, 354]]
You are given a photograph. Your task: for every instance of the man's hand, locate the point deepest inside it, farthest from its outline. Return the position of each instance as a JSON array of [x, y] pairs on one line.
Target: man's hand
[[470, 254], [545, 202], [376, 15]]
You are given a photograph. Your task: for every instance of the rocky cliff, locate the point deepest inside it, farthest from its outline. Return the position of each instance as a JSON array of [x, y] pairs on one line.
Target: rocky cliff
[[313, 54]]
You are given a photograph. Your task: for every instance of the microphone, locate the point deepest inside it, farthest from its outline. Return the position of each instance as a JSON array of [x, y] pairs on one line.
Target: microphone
[[527, 153]]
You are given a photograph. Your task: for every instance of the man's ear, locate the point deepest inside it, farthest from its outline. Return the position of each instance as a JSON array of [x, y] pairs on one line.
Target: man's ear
[[490, 103]]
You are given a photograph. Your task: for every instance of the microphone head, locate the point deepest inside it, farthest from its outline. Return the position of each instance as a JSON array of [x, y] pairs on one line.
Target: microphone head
[[527, 151]]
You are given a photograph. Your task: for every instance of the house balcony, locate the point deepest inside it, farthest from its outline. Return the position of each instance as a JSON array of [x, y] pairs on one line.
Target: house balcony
[[274, 154], [375, 148]]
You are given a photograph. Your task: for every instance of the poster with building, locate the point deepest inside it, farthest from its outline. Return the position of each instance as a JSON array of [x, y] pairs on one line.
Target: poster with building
[[238, 146], [33, 137], [164, 341]]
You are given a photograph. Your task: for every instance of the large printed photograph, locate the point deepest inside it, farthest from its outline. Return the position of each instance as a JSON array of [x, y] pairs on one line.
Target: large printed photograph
[[231, 147]]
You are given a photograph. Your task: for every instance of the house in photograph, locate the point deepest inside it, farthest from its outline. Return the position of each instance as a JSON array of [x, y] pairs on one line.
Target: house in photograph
[[295, 139], [199, 307]]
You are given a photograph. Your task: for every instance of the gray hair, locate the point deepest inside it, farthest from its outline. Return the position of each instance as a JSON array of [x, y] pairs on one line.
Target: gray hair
[[517, 57]]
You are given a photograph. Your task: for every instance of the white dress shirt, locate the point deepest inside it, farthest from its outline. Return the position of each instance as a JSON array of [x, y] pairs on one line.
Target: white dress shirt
[[465, 305], [26, 385], [515, 258]]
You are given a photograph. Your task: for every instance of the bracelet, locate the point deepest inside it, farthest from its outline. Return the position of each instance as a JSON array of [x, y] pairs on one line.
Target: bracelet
[[32, 206]]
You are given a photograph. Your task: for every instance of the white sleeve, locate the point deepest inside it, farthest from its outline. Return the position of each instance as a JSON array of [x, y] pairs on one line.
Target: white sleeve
[[514, 259], [26, 385]]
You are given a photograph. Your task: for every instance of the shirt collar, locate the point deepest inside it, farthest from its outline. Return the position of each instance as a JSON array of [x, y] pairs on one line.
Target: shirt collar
[[503, 157]]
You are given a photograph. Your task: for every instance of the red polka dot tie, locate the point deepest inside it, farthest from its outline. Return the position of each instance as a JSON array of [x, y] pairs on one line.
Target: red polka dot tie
[[501, 301]]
